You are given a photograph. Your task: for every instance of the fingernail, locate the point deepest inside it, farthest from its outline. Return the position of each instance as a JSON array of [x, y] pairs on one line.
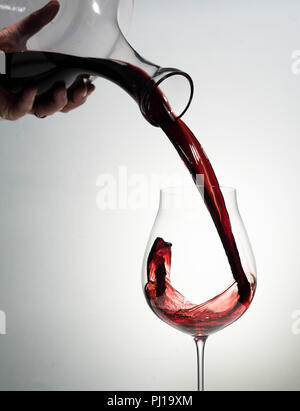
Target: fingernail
[[52, 3]]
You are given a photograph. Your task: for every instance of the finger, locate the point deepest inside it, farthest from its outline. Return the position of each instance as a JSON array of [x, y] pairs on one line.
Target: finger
[[76, 97], [91, 89], [20, 106], [33, 23], [5, 101], [79, 96], [52, 105]]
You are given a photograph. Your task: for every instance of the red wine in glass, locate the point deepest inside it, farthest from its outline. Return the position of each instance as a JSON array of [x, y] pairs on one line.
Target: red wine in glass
[[198, 320]]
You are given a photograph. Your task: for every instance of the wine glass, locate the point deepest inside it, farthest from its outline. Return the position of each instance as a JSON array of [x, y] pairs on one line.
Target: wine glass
[[186, 278]]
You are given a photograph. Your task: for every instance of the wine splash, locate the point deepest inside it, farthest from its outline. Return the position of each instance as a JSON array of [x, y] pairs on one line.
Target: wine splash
[[173, 308]]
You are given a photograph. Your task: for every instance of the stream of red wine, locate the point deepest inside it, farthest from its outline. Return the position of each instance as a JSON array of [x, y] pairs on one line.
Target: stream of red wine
[[167, 303], [47, 70]]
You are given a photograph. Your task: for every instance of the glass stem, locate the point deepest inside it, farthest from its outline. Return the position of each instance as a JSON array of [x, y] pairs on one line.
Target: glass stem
[[200, 346]]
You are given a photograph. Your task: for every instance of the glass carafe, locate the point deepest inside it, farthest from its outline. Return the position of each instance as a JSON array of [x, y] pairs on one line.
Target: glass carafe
[[81, 39]]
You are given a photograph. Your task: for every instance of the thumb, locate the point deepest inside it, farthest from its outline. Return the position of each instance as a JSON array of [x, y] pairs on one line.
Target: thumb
[[33, 23]]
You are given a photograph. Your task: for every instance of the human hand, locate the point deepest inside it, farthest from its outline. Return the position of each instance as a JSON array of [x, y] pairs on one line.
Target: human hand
[[14, 38]]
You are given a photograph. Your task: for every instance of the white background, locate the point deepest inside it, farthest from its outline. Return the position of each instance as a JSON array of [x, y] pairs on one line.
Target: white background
[[70, 273]]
